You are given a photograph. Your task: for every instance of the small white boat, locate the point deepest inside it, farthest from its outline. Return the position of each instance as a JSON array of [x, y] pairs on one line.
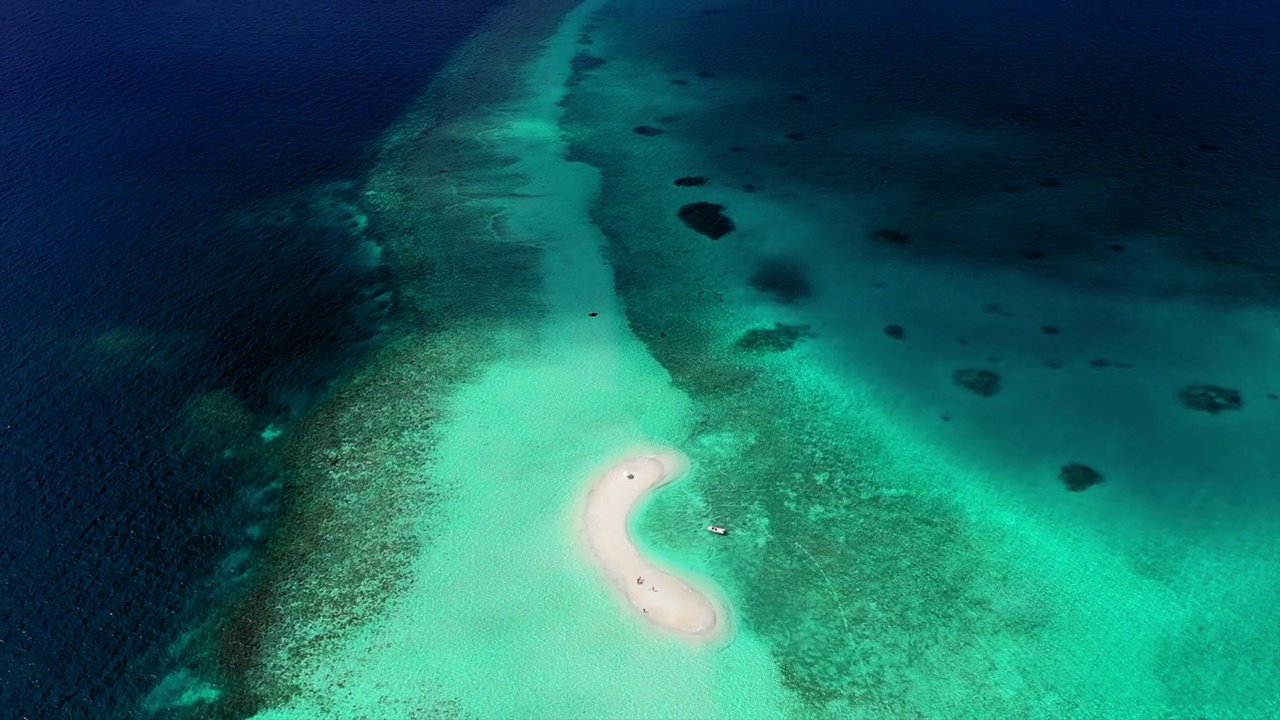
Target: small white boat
[[718, 530]]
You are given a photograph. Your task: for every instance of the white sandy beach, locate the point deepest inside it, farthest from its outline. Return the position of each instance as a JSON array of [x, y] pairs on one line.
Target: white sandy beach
[[657, 595]]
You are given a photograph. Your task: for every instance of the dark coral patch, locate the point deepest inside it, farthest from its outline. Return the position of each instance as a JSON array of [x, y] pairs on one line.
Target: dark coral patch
[[891, 236], [691, 181], [980, 382], [1079, 478], [647, 130], [707, 218], [897, 332], [1103, 363], [779, 338], [781, 278], [1212, 399], [584, 63]]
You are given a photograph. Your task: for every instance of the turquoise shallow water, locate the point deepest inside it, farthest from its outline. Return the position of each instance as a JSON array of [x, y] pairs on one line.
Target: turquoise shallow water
[[871, 486], [907, 280]]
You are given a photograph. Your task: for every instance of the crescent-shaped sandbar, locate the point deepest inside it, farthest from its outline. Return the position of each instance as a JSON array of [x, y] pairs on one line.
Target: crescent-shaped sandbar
[[661, 597]]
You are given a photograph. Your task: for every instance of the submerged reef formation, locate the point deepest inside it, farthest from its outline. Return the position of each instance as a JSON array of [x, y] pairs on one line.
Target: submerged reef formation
[[985, 383], [891, 236], [1103, 363], [1212, 399], [582, 64], [1078, 478], [781, 278], [779, 338], [707, 218]]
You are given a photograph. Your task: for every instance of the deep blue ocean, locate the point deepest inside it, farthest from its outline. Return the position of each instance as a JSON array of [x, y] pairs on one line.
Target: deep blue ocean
[[134, 133]]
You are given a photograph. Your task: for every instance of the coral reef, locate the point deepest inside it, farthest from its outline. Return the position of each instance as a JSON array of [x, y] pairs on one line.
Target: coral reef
[[707, 218], [582, 64], [776, 339], [889, 235], [985, 383], [781, 278], [1212, 399], [1078, 477]]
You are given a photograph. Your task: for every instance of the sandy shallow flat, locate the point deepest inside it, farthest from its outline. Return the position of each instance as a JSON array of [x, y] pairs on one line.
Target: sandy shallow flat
[[662, 598]]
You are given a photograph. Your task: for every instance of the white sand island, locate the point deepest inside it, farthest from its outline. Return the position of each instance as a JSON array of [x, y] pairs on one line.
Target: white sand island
[[660, 597]]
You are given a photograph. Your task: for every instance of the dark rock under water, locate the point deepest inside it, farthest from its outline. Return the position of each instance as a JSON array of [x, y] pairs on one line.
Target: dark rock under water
[[1212, 399], [707, 218], [1078, 478], [985, 383], [783, 279], [779, 338]]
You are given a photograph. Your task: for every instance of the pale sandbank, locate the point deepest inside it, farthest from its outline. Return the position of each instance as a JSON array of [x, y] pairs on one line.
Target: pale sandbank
[[664, 599]]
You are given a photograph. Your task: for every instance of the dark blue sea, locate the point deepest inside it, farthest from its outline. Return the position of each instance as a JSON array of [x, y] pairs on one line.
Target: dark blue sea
[[151, 308]]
